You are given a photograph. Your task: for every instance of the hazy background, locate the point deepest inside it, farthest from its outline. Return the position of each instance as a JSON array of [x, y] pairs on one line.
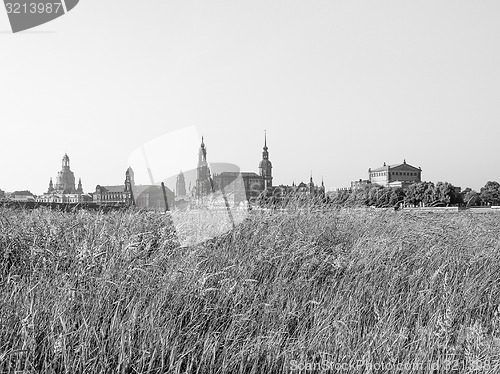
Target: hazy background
[[340, 86]]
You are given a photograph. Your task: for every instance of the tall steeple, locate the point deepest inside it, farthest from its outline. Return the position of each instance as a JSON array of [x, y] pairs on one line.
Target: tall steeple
[[202, 154], [128, 182], [265, 153], [203, 180], [311, 184], [265, 166], [130, 172], [129, 186], [51, 186], [180, 185], [79, 190]]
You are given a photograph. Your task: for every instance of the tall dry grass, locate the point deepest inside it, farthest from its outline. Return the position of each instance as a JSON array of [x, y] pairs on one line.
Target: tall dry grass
[[90, 292]]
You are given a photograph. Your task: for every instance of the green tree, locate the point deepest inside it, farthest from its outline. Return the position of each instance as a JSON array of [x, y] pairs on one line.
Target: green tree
[[445, 194], [470, 197], [361, 196], [420, 192], [378, 196], [341, 196], [398, 196], [429, 194], [413, 194], [490, 193]]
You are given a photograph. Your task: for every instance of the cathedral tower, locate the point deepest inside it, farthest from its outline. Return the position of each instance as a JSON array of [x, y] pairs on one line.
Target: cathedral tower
[[203, 184], [129, 185], [311, 186], [51, 186], [180, 185], [130, 172], [79, 190], [265, 166]]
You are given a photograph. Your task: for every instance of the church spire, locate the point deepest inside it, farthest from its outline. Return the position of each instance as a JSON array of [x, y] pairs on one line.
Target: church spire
[[180, 185], [265, 153], [203, 180], [265, 166], [79, 190], [311, 184], [202, 155]]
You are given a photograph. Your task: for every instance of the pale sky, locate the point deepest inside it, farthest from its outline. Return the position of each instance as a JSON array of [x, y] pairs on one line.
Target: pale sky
[[340, 86]]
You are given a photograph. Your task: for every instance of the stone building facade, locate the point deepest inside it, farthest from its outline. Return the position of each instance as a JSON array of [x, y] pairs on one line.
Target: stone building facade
[[237, 186], [311, 189], [397, 175], [22, 196], [250, 186], [144, 196], [360, 183]]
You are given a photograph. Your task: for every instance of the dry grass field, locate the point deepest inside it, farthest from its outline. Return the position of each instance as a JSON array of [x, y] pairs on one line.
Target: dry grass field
[[295, 291]]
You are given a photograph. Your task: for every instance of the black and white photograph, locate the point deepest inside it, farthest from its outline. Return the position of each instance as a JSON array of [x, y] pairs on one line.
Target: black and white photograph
[[249, 186]]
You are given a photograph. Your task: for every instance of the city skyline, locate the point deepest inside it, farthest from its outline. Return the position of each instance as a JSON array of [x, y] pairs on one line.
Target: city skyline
[[182, 167], [169, 178], [339, 87]]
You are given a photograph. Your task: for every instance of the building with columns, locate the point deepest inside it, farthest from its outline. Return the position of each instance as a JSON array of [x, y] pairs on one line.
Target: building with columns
[[397, 175]]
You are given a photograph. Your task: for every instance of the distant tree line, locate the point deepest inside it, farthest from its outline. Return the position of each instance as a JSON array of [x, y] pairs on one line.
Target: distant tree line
[[418, 194]]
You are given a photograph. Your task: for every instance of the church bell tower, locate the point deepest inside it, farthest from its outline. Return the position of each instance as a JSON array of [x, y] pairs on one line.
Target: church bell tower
[[203, 183], [180, 185], [265, 166]]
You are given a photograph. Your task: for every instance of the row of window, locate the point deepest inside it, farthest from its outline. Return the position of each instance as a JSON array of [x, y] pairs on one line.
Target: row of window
[[393, 173], [116, 196]]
